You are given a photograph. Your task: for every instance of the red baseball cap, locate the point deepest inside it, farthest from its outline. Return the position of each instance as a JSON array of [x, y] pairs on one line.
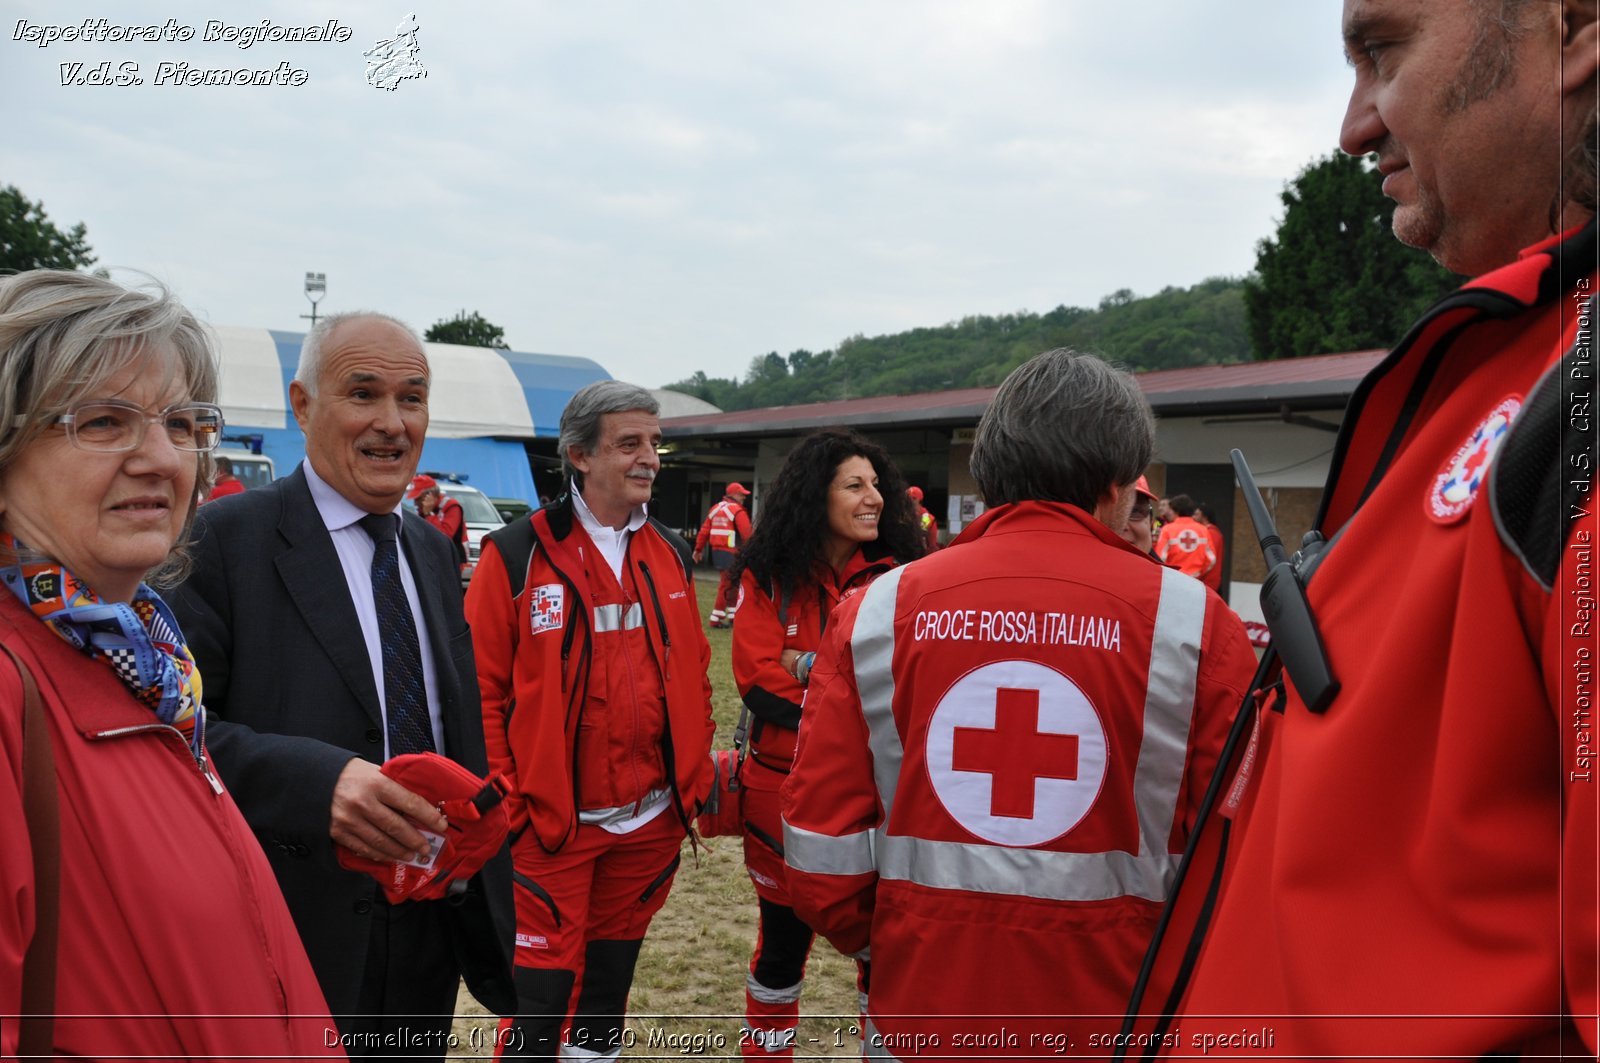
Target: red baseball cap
[[1142, 486], [736, 488], [915, 492], [420, 484]]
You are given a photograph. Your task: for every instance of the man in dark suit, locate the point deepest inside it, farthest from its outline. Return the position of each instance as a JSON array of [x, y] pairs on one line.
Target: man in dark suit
[[300, 613]]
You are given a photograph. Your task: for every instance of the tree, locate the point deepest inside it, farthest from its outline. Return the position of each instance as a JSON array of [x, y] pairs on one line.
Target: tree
[[29, 240], [468, 330], [1334, 278]]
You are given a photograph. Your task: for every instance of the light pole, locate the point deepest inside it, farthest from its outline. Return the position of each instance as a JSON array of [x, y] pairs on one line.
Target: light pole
[[316, 288]]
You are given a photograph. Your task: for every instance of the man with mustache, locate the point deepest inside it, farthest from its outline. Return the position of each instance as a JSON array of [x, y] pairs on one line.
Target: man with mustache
[[1411, 864], [597, 706], [329, 631]]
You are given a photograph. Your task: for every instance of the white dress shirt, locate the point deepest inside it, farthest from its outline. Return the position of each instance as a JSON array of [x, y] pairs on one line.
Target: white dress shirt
[[355, 548]]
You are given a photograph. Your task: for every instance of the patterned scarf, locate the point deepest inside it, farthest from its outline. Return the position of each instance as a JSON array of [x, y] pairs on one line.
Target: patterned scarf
[[140, 642]]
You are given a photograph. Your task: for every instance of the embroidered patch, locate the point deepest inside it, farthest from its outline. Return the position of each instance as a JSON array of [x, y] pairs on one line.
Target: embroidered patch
[[532, 941], [546, 608], [1451, 493]]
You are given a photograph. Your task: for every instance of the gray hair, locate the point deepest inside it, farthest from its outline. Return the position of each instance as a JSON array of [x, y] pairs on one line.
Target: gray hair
[[1491, 64], [63, 335], [309, 370], [580, 421], [1064, 427]]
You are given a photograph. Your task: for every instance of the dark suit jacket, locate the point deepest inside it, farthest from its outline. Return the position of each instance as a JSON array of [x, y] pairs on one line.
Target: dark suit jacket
[[290, 698]]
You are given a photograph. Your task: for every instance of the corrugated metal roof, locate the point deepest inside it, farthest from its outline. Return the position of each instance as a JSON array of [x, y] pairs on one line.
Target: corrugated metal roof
[[1322, 382]]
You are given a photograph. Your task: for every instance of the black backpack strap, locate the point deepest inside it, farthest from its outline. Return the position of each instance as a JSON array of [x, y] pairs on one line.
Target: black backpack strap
[[678, 543], [515, 545], [1542, 473]]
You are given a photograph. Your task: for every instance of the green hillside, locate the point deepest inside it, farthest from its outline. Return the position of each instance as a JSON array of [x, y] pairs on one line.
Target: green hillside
[[1202, 325]]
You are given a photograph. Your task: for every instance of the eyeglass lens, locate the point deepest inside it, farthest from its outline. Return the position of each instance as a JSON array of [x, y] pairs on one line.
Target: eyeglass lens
[[112, 426]]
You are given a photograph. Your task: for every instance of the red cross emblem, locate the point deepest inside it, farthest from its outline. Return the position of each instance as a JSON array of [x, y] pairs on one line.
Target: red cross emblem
[[1016, 753], [1187, 540], [1452, 490], [545, 607]]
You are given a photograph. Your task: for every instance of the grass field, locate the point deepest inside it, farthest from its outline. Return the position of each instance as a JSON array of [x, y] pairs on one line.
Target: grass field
[[688, 993]]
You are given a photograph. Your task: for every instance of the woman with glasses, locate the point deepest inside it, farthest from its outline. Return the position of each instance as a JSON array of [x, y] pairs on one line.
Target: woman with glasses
[[136, 907]]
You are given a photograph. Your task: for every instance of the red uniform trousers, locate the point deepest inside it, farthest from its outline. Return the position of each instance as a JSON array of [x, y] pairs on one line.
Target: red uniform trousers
[[582, 914], [727, 602]]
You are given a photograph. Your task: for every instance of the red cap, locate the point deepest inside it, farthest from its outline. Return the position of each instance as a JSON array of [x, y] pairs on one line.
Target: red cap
[[1142, 486], [736, 488], [478, 827], [421, 483], [915, 492]]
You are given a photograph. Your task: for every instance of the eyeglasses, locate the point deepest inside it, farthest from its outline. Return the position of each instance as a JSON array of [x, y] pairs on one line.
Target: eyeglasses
[[107, 425]]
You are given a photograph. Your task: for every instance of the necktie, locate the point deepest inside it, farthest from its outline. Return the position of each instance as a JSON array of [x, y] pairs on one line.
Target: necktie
[[405, 700]]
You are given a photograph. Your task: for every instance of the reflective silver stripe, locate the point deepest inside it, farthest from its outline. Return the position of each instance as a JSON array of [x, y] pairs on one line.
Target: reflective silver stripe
[[767, 995], [769, 1040], [612, 618], [1039, 873], [824, 854], [1158, 776], [872, 646], [872, 1043], [601, 817], [1168, 709]]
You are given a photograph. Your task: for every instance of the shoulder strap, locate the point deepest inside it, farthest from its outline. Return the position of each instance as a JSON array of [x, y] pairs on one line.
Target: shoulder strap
[[678, 543], [515, 543], [42, 814]]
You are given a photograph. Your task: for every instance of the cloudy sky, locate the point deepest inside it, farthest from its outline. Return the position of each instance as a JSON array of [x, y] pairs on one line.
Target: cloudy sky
[[667, 186]]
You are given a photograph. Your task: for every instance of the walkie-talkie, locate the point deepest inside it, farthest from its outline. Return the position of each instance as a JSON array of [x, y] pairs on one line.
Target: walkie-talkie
[[1283, 602]]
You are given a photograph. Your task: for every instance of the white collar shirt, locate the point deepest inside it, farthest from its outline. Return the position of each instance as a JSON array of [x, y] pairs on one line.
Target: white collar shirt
[[355, 549]]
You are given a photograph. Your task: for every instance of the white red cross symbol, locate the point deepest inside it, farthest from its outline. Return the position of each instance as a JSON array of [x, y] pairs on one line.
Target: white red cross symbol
[[545, 607], [1016, 753], [1187, 540], [1452, 490]]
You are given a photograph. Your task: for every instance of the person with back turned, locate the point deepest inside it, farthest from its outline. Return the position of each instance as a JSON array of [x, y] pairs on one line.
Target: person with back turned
[[1004, 744]]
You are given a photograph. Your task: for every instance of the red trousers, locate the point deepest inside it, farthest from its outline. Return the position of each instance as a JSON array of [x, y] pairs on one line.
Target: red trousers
[[582, 914]]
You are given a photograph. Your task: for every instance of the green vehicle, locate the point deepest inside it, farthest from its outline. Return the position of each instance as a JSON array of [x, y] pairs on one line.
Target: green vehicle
[[511, 509]]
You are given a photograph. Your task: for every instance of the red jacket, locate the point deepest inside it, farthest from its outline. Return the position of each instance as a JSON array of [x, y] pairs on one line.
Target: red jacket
[[229, 485], [1184, 544], [1003, 749], [536, 657], [451, 519], [174, 942], [770, 691], [1424, 853], [1213, 575], [725, 527]]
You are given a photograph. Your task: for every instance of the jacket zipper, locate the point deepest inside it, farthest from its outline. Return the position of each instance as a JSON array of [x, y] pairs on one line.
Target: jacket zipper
[[200, 760]]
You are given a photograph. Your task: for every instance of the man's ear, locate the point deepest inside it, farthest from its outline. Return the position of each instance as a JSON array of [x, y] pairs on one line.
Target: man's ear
[[578, 459], [300, 403], [1580, 43], [1106, 507]]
